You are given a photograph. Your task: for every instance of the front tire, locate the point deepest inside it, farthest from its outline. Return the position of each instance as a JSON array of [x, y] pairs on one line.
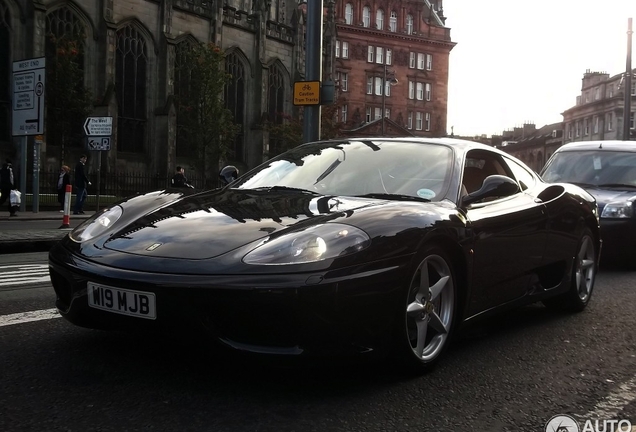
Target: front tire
[[427, 319]]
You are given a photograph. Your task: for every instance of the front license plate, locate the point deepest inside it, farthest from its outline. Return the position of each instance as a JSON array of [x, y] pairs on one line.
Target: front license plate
[[139, 304]]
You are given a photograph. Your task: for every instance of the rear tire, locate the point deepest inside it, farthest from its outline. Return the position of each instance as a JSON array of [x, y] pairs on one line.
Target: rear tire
[[584, 270], [427, 317]]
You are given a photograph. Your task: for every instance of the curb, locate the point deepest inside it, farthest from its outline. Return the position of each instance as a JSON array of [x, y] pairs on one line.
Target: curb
[[27, 245]]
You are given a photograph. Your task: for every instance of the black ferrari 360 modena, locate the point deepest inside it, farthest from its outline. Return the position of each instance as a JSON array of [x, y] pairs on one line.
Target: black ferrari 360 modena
[[351, 247]]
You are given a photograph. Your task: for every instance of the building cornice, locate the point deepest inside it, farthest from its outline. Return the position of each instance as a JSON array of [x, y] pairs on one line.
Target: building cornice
[[374, 33]]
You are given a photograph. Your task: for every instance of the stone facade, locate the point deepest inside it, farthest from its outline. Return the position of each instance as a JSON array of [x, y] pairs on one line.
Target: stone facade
[[529, 144], [142, 38], [598, 113]]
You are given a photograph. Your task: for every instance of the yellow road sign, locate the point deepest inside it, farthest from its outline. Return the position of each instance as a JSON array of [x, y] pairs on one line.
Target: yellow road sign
[[307, 93]]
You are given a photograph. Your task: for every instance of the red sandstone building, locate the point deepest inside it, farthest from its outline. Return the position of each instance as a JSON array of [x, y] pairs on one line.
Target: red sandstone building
[[392, 57]]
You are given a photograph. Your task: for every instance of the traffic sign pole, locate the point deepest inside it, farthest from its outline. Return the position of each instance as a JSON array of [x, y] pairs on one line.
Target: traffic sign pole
[[98, 131]]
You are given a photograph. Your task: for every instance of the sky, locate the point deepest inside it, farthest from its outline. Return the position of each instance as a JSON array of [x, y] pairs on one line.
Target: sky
[[522, 61]]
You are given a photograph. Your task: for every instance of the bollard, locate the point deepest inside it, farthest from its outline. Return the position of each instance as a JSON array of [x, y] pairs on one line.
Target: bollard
[[66, 220]]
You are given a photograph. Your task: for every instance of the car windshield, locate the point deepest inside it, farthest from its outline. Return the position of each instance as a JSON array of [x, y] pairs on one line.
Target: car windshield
[[358, 168], [592, 168]]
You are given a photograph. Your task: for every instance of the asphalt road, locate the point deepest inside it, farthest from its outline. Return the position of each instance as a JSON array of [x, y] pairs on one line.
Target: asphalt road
[[512, 373]]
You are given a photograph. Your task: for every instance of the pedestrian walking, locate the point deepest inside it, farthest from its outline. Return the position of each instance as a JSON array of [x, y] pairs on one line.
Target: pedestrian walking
[[179, 179], [63, 180], [81, 183], [7, 184]]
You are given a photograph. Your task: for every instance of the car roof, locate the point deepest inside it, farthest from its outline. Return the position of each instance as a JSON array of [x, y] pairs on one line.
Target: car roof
[[609, 145]]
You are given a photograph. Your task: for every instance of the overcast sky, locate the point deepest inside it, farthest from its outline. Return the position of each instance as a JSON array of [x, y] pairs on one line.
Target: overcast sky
[[522, 61]]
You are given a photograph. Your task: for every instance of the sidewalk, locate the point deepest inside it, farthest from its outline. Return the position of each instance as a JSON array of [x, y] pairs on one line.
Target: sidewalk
[[21, 236]]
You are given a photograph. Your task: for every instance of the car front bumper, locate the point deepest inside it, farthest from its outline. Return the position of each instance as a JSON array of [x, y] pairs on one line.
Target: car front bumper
[[619, 239], [347, 311]]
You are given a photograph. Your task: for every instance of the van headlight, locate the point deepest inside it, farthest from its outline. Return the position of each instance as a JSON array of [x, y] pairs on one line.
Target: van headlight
[[313, 244], [97, 225]]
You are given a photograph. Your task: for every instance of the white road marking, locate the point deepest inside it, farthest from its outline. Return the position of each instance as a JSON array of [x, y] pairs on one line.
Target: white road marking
[[610, 407], [23, 265], [24, 274], [24, 317]]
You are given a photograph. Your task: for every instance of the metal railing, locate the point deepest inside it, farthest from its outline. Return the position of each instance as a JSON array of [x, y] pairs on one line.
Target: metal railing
[[112, 186]]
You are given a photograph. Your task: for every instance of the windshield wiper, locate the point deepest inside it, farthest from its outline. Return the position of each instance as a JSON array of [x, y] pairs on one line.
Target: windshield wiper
[[390, 196], [284, 188]]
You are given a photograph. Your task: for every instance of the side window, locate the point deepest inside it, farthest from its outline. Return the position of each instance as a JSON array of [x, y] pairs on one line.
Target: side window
[[478, 166], [525, 178]]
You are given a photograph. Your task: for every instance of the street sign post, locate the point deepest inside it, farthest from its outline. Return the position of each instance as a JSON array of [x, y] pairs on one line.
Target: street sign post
[[307, 93], [98, 131], [98, 143], [28, 97], [98, 126]]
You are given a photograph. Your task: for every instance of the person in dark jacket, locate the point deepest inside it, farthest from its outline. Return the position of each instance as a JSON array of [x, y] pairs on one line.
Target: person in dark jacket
[[7, 184], [179, 179], [63, 180], [81, 183]]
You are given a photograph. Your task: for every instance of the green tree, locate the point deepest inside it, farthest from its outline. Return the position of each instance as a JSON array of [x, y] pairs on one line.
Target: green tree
[[68, 101], [289, 132], [207, 124]]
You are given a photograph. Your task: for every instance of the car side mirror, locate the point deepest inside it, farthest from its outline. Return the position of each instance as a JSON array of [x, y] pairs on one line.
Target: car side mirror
[[493, 186]]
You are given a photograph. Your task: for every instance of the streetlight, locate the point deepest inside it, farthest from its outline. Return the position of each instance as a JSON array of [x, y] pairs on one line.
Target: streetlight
[[392, 81]]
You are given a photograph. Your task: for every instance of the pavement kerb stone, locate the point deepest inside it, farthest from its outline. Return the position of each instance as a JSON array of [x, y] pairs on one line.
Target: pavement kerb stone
[[26, 239]]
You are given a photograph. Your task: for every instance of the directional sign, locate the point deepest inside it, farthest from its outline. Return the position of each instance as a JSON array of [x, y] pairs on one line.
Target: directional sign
[[28, 97], [98, 143], [307, 93], [98, 126]]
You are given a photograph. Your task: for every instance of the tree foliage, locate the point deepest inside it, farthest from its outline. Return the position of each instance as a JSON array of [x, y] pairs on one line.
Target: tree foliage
[[207, 125], [68, 101], [288, 133]]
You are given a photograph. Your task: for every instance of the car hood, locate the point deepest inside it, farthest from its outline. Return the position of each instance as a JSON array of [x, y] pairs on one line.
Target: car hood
[[206, 225], [604, 196]]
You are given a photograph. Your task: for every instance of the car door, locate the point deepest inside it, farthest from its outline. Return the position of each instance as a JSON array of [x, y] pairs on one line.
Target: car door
[[508, 239]]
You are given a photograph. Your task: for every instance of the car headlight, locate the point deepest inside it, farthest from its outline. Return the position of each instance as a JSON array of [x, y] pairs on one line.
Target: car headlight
[[97, 225], [313, 244], [618, 210]]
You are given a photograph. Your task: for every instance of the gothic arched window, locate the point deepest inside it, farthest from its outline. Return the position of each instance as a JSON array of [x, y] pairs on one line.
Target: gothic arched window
[[234, 97], [275, 102], [130, 87], [64, 51], [348, 14], [182, 93], [5, 72]]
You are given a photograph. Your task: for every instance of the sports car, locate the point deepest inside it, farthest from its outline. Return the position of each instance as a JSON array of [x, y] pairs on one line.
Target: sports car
[[354, 247]]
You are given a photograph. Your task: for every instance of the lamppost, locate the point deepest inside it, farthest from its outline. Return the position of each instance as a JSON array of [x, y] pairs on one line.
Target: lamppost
[[392, 81]]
